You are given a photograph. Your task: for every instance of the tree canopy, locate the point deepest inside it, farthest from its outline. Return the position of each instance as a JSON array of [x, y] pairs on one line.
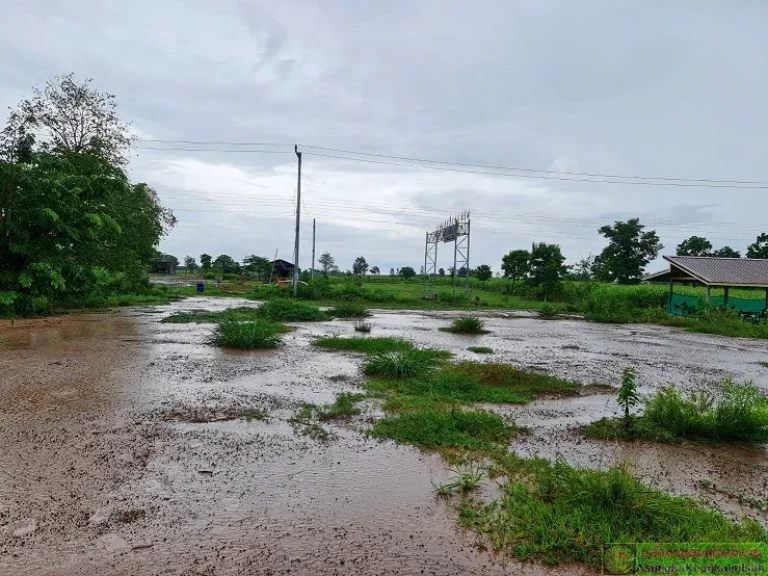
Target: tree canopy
[[694, 246], [359, 266], [759, 248], [483, 272], [327, 262], [546, 267], [629, 251], [407, 272]]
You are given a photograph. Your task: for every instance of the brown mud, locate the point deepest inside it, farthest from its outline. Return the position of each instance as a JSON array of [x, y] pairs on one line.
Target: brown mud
[[125, 450]]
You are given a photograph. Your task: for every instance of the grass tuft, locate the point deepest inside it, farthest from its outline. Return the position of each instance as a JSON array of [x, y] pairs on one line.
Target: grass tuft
[[466, 480], [466, 325], [404, 363], [480, 349], [560, 513], [366, 345], [432, 428], [363, 327], [343, 407], [247, 335], [283, 310]]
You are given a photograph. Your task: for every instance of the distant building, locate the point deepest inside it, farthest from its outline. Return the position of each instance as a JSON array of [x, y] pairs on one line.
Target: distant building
[[282, 269], [163, 265]]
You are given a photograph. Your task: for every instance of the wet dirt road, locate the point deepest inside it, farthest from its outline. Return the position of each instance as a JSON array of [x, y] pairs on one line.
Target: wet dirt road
[[120, 454]]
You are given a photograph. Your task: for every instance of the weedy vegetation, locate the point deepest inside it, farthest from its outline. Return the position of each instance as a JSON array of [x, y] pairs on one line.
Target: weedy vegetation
[[363, 327], [735, 412], [555, 512], [283, 310], [240, 314], [350, 310]]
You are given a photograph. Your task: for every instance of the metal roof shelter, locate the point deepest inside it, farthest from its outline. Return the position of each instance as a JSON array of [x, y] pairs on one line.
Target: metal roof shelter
[[722, 273]]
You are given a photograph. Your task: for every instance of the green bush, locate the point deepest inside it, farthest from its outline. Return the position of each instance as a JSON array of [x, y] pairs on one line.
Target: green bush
[[246, 335]]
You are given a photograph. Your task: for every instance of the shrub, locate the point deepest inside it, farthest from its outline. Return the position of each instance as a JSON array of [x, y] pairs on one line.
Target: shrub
[[291, 311], [246, 335], [466, 325], [549, 310], [403, 364]]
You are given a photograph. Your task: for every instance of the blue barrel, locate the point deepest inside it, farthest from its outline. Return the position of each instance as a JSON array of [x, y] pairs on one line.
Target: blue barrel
[[201, 286]]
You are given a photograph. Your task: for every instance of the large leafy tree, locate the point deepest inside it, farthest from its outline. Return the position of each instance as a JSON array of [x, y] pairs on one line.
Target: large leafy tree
[[483, 272], [359, 266], [759, 248], [72, 224], [694, 246], [226, 264], [67, 116], [206, 261], [257, 266], [630, 249], [726, 252], [375, 271], [327, 262], [516, 265], [190, 265], [547, 267], [407, 272]]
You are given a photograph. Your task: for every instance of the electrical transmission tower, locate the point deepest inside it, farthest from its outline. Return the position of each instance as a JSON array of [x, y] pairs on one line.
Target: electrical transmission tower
[[455, 229]]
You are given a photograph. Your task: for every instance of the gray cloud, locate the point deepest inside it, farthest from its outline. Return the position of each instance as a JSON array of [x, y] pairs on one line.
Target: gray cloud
[[648, 88]]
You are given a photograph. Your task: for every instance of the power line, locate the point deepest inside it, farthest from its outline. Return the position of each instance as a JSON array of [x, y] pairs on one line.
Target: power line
[[528, 176], [517, 169], [214, 150], [446, 162]]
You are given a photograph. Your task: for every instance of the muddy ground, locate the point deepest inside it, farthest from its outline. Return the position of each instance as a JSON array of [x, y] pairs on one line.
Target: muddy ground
[[121, 450]]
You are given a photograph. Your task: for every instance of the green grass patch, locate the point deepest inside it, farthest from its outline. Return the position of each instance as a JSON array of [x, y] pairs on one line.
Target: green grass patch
[[283, 310], [763, 364], [560, 513], [480, 349], [466, 325], [734, 413], [240, 314], [405, 363], [365, 345], [247, 335], [433, 428], [350, 310], [470, 382]]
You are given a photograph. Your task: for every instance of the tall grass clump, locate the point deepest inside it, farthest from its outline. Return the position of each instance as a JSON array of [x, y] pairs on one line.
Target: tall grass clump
[[403, 364], [283, 310], [466, 325], [561, 513], [246, 335], [363, 327], [433, 428]]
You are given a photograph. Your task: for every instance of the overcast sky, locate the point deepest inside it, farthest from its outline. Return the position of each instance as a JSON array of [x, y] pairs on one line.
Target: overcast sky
[[651, 88]]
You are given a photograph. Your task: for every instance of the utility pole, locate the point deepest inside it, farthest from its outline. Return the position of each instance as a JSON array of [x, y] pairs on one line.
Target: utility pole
[[312, 273], [298, 223]]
